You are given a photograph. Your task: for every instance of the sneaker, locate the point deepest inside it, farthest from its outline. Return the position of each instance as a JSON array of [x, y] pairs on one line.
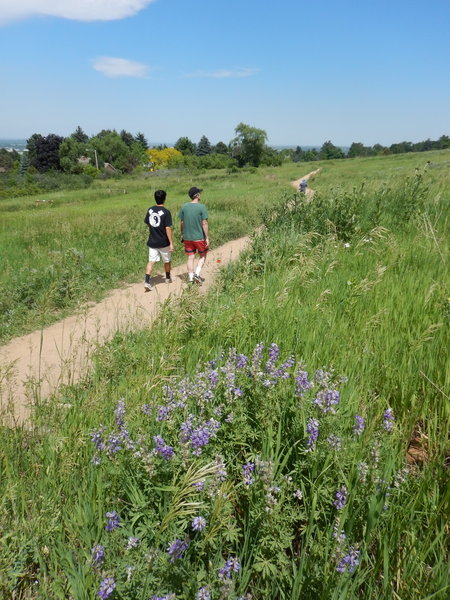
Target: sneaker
[[147, 286], [168, 279], [198, 279]]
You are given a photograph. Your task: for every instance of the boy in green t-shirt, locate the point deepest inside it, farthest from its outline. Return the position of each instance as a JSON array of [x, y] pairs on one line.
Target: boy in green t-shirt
[[194, 233]]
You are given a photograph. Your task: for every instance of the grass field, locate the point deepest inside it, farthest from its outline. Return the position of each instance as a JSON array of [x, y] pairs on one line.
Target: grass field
[[285, 437]]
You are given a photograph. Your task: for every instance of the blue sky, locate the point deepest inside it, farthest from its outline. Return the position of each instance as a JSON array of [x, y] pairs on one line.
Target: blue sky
[[370, 71]]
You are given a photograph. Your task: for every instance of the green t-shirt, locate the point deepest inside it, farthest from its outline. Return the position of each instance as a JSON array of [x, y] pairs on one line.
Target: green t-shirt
[[192, 214]]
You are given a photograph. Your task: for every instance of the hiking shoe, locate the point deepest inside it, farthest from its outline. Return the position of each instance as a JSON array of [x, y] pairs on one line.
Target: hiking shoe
[[198, 279], [147, 286]]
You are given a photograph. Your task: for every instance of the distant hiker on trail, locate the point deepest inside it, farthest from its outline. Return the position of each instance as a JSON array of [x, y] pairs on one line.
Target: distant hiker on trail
[[303, 185], [194, 233], [160, 243]]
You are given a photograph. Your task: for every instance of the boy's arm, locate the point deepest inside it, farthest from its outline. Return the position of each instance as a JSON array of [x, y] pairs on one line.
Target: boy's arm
[[205, 230], [169, 235]]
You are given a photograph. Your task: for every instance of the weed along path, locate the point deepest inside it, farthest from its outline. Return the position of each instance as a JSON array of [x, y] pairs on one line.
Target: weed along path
[[35, 365]]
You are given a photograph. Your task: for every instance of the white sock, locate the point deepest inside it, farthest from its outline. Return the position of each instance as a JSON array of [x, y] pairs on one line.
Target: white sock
[[191, 276]]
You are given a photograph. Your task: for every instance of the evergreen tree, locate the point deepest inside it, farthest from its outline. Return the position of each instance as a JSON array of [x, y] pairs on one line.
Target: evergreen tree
[[44, 152], [127, 137], [24, 163], [79, 136], [203, 147], [140, 139], [297, 155]]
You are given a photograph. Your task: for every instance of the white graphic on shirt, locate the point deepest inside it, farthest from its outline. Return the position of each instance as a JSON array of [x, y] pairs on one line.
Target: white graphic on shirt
[[154, 218]]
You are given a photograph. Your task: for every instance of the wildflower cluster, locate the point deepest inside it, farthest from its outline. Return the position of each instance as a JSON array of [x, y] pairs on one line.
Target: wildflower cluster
[[231, 566], [194, 423]]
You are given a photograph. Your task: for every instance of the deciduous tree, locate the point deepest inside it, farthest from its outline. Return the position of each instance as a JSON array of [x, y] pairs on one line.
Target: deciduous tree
[[185, 146], [248, 145]]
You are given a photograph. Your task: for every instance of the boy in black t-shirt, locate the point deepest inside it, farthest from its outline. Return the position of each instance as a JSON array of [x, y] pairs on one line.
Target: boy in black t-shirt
[[160, 243]]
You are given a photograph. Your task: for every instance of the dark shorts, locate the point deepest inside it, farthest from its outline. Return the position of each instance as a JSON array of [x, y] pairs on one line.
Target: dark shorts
[[199, 246]]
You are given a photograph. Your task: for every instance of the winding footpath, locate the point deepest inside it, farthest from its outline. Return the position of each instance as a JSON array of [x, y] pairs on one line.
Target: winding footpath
[[33, 366]]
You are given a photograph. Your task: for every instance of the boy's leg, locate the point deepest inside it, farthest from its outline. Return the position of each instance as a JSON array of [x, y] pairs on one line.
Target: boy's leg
[[166, 256], [148, 271], [201, 262], [190, 266], [153, 256]]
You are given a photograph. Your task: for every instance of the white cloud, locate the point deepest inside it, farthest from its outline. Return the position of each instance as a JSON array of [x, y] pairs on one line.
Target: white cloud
[[225, 73], [120, 67], [78, 10]]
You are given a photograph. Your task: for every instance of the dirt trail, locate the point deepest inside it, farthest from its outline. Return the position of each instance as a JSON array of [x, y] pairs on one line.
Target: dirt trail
[[33, 366], [309, 191]]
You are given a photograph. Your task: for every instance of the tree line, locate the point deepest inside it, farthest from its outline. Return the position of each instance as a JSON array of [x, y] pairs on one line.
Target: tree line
[[115, 152]]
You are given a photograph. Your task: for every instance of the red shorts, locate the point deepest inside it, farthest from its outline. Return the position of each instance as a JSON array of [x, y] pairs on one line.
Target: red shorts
[[199, 246]]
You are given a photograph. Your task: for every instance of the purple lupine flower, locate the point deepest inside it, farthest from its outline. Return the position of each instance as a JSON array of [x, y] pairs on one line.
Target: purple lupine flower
[[298, 494], [199, 438], [349, 562], [186, 429], [232, 565], [145, 409], [97, 439], [256, 359], [213, 377], [200, 485], [162, 448], [198, 523], [106, 587], [132, 542], [113, 521], [341, 498], [302, 384], [168, 392], [273, 355], [334, 441], [98, 554], [358, 428], [326, 400], [322, 377], [176, 549], [237, 392], [120, 412], [166, 597], [247, 471], [388, 419], [113, 444], [282, 371], [163, 413], [312, 429], [271, 497], [203, 593], [241, 361], [339, 535]]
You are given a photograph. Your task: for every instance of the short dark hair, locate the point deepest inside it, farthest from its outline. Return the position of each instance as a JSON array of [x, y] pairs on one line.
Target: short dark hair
[[160, 196]]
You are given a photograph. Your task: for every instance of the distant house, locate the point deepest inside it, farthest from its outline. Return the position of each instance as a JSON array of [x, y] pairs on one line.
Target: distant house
[[84, 160], [109, 168]]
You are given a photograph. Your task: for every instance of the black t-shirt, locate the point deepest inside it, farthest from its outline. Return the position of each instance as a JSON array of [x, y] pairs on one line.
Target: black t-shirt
[[157, 219]]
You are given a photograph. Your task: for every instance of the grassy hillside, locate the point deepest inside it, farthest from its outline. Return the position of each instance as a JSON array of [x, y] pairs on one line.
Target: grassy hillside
[[284, 437]]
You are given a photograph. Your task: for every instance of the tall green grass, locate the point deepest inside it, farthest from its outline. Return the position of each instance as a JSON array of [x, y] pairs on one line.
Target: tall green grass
[[353, 285]]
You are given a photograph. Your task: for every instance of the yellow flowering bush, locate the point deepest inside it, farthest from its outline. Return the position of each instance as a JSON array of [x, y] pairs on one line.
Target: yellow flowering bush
[[160, 159]]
